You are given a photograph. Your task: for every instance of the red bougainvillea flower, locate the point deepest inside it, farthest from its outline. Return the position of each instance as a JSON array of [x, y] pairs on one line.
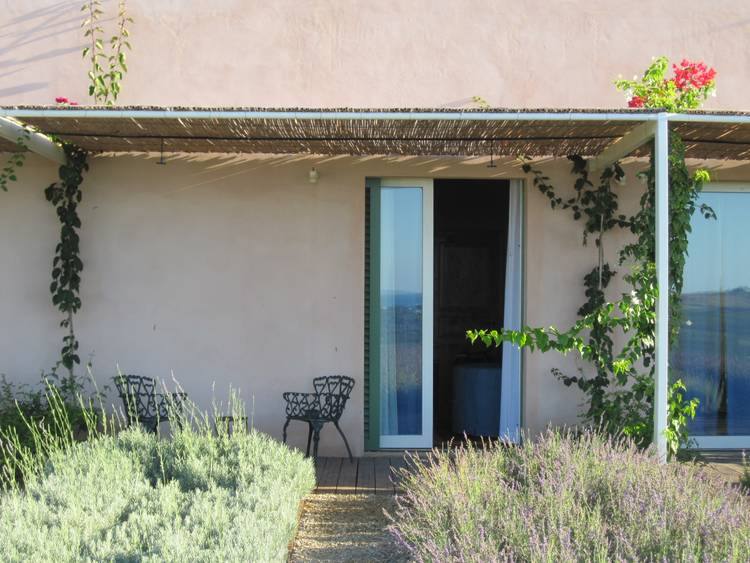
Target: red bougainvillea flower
[[61, 100], [691, 74], [636, 102]]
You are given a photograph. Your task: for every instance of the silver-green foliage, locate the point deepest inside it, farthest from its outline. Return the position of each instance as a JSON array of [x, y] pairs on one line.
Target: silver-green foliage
[[131, 496], [568, 498]]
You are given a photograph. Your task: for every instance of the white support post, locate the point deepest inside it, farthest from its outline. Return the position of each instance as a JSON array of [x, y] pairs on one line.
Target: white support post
[[661, 164], [13, 130]]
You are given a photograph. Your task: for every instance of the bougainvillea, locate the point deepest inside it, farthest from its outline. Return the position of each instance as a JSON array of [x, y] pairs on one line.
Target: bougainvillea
[[691, 84], [693, 75]]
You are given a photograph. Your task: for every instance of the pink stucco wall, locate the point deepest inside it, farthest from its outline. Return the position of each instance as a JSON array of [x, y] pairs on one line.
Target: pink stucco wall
[[385, 53], [235, 270]]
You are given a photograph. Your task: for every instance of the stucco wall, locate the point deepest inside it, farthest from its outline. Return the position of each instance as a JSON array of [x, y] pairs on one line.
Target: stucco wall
[[225, 272], [535, 53], [238, 271]]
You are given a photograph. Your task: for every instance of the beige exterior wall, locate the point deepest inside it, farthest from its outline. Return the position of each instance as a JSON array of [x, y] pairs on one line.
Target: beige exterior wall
[[387, 53], [237, 271]]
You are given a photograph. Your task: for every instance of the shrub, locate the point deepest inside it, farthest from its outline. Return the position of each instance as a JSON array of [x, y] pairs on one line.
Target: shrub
[[568, 498], [133, 496], [745, 475], [23, 406]]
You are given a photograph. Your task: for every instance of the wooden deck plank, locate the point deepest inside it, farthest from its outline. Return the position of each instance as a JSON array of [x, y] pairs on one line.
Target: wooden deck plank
[[366, 476], [347, 484], [383, 482], [320, 465], [397, 463], [329, 474]]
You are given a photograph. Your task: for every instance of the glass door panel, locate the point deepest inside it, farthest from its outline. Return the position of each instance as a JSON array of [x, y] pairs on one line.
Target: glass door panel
[[712, 356], [405, 313]]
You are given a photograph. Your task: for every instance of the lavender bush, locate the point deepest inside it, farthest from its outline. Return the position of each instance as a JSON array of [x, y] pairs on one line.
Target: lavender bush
[[201, 495], [567, 498]]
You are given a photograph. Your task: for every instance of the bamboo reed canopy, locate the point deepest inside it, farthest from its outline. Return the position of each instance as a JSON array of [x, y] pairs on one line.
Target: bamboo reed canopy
[[411, 131]]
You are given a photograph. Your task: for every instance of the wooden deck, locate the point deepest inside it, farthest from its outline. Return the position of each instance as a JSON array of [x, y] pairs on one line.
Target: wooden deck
[[363, 476], [376, 475]]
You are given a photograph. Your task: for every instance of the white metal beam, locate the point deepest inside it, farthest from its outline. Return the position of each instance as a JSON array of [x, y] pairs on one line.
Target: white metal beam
[[661, 164], [355, 115], [623, 146], [426, 115], [13, 130], [743, 119]]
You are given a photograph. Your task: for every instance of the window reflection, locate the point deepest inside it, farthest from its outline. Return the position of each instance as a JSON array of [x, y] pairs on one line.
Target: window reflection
[[401, 298], [712, 356]]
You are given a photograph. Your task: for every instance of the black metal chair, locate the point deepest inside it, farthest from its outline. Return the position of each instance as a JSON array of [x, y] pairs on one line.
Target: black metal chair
[[143, 405], [326, 404]]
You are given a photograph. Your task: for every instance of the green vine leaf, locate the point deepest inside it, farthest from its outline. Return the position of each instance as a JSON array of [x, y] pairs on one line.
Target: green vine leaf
[[67, 265], [105, 83], [9, 172]]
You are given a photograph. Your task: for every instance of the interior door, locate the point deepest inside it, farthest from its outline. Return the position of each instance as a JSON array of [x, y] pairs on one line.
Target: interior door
[[402, 310]]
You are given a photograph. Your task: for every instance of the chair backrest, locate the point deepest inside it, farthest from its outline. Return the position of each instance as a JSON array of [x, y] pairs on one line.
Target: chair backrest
[[334, 391], [138, 396]]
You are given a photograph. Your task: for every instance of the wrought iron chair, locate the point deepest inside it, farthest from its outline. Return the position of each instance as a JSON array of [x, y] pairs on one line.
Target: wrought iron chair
[[143, 405], [326, 404]]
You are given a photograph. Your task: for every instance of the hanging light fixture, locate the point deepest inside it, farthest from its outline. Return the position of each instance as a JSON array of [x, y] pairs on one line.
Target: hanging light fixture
[[313, 176], [492, 158], [161, 155]]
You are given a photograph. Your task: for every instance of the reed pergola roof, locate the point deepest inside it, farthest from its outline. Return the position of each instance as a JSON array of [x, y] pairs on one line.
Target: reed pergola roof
[[409, 131]]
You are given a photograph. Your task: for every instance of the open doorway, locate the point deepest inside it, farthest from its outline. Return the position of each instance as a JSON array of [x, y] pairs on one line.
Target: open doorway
[[470, 246], [442, 257]]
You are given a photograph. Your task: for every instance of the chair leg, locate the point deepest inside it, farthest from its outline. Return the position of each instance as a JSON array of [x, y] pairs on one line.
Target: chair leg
[[349, 451], [309, 435], [316, 439], [283, 432]]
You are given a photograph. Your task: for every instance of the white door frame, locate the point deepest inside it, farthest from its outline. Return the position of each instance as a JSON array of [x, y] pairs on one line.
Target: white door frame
[[511, 397], [424, 440]]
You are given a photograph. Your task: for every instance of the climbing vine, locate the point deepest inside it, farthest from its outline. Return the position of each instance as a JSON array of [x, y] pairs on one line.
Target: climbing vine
[[65, 195], [620, 391], [9, 173], [108, 67], [107, 60]]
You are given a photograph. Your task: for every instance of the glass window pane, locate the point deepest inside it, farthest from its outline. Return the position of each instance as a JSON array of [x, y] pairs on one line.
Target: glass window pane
[[401, 298], [713, 352]]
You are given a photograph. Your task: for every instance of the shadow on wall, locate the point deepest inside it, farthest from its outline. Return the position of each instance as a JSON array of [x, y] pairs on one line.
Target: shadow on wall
[[216, 167], [40, 27]]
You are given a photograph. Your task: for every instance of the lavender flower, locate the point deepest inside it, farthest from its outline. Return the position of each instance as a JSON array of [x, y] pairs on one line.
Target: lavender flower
[[566, 497]]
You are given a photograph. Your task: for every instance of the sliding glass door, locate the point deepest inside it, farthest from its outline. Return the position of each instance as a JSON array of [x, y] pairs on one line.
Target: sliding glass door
[[401, 311], [713, 353]]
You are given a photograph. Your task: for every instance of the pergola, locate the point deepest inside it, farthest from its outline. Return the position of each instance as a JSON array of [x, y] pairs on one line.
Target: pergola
[[603, 135]]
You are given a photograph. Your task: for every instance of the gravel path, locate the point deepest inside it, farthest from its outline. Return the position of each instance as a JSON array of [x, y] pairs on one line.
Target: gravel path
[[345, 528]]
